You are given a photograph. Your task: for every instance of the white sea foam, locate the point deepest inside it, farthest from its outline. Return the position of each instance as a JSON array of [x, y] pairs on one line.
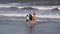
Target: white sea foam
[[40, 16], [37, 7], [46, 7], [48, 16]]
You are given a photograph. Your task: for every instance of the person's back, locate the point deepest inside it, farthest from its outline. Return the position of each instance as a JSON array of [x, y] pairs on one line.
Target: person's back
[[34, 17]]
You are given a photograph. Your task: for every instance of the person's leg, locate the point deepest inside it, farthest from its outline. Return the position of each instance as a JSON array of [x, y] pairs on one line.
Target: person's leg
[[34, 23]]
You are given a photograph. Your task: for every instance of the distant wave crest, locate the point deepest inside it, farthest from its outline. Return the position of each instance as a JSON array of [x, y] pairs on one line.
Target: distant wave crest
[[35, 7]]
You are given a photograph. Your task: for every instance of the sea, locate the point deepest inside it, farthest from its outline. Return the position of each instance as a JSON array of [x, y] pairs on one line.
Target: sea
[[13, 18]]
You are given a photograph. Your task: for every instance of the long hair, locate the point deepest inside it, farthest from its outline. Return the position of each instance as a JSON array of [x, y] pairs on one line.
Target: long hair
[[30, 17]]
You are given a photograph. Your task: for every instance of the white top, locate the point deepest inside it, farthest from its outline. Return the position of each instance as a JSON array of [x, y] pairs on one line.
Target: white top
[[27, 17]]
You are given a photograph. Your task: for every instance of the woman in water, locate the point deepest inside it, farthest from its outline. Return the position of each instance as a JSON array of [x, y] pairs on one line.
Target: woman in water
[[27, 19]]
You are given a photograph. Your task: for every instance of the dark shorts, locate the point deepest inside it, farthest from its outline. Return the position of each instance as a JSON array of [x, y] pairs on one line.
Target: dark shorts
[[27, 20]]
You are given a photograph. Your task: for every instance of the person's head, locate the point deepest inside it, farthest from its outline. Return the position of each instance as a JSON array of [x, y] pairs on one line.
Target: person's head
[[27, 15], [33, 13]]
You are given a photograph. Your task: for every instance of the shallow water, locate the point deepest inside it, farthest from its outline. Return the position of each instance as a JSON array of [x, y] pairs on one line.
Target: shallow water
[[20, 27]]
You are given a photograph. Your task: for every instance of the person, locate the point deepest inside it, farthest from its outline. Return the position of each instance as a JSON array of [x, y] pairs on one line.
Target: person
[[27, 19], [30, 17], [30, 20], [34, 19]]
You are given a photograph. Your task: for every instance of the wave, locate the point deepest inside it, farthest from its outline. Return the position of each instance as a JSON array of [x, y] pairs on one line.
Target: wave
[[46, 7], [35, 7], [20, 5], [24, 15]]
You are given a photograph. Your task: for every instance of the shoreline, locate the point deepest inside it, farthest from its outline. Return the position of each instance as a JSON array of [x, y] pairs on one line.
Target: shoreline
[[24, 15], [15, 18]]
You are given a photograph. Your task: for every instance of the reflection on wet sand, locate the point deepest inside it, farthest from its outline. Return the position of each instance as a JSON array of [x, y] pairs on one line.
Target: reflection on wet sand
[[31, 26], [31, 29]]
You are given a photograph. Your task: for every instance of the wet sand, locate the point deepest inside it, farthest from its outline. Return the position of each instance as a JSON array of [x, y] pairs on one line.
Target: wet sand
[[46, 26]]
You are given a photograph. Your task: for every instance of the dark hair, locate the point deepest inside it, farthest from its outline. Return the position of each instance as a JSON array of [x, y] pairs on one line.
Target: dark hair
[[30, 17], [34, 13], [26, 15]]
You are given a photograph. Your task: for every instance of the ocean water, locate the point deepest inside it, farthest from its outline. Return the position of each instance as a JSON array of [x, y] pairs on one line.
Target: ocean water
[[12, 20], [16, 8]]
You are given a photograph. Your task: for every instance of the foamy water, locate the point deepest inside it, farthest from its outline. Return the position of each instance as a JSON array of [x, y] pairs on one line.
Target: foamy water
[[24, 15], [47, 14], [36, 7]]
